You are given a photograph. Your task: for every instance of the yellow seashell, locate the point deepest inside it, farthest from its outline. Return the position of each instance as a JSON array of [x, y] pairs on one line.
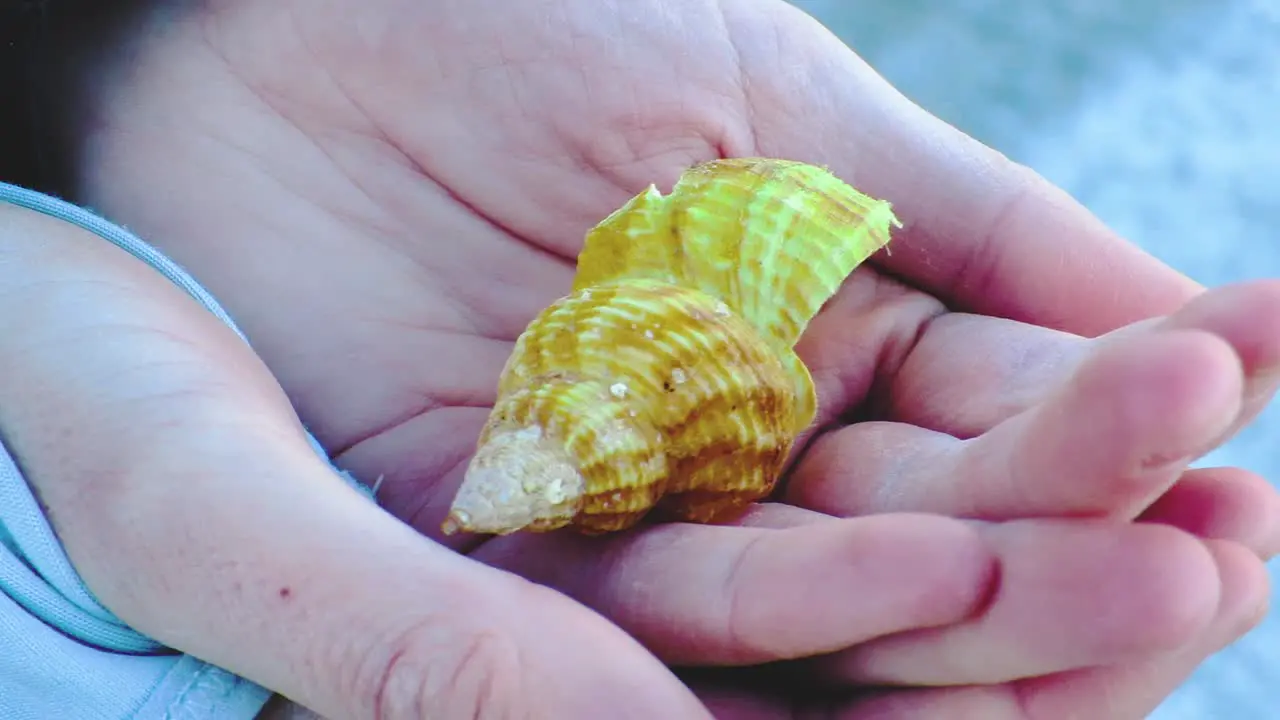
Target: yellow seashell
[[668, 377]]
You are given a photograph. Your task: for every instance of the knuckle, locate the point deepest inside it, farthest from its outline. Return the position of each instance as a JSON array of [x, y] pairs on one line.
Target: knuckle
[[740, 632], [432, 673]]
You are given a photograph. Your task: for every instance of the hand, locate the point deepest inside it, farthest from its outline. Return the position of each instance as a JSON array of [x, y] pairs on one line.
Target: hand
[[188, 497], [385, 205]]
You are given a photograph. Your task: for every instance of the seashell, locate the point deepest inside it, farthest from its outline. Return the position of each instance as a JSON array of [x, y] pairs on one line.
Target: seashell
[[668, 380]]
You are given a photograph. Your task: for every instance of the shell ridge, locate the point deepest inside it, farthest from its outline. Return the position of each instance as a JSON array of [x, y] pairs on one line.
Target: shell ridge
[[615, 249], [772, 206], [668, 378]]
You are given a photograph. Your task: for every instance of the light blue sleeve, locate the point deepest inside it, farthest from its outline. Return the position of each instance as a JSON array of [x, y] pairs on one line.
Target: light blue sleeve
[[63, 655]]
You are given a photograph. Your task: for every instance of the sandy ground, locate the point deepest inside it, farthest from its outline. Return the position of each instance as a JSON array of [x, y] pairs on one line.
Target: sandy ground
[[1162, 116]]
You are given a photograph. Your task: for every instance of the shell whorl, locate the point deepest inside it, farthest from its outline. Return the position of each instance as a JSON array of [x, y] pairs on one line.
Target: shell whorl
[[668, 377], [656, 391], [773, 239]]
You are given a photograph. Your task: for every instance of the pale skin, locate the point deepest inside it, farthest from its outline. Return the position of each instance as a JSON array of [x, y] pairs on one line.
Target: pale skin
[[384, 197]]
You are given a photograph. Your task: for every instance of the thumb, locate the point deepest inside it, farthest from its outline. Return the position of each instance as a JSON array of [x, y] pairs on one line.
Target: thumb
[[189, 500]]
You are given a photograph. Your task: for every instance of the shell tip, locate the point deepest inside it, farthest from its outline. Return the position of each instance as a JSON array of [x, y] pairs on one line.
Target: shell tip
[[455, 523], [518, 480]]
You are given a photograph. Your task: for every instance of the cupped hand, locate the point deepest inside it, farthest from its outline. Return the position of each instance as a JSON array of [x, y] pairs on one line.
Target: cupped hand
[[384, 202], [191, 502], [188, 497]]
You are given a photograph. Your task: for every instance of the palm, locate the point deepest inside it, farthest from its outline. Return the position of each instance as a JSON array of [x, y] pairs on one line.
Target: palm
[[475, 170], [385, 202]]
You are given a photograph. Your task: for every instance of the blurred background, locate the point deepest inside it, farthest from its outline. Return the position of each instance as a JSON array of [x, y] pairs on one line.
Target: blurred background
[[1163, 117]]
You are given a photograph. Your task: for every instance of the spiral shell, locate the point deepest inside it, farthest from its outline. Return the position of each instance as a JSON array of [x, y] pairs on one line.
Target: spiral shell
[[668, 378]]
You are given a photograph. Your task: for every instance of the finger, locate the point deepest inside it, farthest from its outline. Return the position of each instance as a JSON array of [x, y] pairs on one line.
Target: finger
[[968, 373], [1071, 594], [191, 503], [1108, 442], [988, 236], [1128, 691], [727, 595], [1247, 317], [1119, 692], [1134, 690], [1210, 503], [1222, 504]]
